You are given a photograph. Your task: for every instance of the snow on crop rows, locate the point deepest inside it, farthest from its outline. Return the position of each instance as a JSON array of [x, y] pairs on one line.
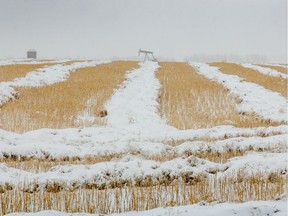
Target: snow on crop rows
[[134, 105], [40, 77], [277, 65], [31, 61], [255, 99], [266, 71], [135, 126], [57, 144], [131, 168], [133, 122]]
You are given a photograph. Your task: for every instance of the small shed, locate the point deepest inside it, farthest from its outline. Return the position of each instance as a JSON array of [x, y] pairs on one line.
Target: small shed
[[32, 54]]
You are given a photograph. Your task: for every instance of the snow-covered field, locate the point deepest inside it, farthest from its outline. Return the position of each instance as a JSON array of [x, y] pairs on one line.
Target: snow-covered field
[[278, 208], [135, 137]]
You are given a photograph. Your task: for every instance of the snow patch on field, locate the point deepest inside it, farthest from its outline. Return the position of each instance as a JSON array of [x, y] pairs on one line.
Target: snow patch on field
[[80, 143], [276, 143], [134, 105], [255, 99], [264, 70], [32, 61], [277, 65], [253, 208], [135, 169], [40, 77]]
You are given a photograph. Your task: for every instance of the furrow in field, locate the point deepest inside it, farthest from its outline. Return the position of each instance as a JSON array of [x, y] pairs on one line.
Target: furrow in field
[[64, 104], [189, 101], [275, 84], [254, 98]]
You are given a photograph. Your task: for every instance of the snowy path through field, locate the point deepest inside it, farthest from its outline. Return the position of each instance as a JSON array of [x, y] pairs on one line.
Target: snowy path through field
[[43, 76], [134, 105], [255, 99], [266, 71]]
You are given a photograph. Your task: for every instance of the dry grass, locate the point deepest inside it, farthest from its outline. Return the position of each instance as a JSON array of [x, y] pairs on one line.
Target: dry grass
[[233, 188], [10, 72], [61, 104], [277, 68], [189, 101], [275, 84]]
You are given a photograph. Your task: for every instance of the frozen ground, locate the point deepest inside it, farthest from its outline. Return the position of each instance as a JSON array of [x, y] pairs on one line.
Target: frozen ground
[[254, 208]]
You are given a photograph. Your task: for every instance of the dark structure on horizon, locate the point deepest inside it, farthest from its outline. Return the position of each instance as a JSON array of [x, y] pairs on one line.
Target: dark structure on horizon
[[148, 55], [32, 54]]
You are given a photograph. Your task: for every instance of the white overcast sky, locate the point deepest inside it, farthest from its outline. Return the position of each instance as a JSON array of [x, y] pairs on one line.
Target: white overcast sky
[[175, 29]]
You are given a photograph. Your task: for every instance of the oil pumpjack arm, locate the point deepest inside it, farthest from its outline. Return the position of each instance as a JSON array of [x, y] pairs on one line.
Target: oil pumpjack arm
[[148, 55]]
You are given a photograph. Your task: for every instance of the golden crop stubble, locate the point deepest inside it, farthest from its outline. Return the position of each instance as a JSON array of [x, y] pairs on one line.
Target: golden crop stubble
[[37, 165], [190, 101], [237, 187], [10, 72], [275, 84], [57, 106]]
